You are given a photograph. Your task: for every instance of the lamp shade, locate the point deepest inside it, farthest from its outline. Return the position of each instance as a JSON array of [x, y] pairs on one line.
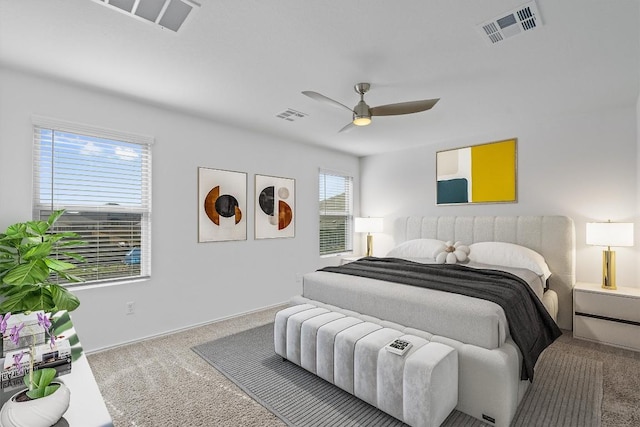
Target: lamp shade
[[368, 225], [610, 233]]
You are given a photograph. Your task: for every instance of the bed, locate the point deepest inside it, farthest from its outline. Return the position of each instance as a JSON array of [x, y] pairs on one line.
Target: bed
[[478, 329]]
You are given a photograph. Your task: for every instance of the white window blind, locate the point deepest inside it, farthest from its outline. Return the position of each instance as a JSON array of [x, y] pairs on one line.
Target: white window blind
[[336, 212], [102, 178]]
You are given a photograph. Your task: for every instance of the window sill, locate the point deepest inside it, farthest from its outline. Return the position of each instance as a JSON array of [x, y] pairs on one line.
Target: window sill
[[81, 287], [338, 255]]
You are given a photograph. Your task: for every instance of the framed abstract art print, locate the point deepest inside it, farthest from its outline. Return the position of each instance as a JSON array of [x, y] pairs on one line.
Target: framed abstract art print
[[222, 205], [484, 173], [274, 207]]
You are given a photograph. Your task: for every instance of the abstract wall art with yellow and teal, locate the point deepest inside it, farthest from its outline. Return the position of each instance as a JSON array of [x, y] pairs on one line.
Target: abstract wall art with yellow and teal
[[484, 173]]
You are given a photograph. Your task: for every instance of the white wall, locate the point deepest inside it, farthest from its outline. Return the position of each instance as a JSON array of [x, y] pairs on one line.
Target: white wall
[[191, 282], [638, 163], [584, 167]]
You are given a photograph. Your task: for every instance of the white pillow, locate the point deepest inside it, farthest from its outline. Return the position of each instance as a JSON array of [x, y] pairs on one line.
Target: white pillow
[[509, 255], [417, 248]]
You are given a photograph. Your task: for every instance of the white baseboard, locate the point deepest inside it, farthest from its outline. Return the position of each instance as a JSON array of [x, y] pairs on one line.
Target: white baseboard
[[186, 328]]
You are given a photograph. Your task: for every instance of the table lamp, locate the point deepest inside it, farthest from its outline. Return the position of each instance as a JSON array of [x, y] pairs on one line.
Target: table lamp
[[368, 225], [609, 234]]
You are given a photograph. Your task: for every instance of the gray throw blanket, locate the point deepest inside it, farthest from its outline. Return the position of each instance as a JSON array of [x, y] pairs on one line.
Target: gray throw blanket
[[532, 328]]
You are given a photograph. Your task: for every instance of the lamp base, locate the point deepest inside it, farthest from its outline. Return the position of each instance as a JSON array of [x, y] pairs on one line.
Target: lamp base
[[609, 270], [369, 245]]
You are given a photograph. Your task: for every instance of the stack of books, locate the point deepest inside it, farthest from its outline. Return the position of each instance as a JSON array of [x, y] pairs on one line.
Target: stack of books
[[44, 356], [30, 333]]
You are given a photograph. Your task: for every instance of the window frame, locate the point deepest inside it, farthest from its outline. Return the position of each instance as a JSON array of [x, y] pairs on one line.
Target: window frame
[[143, 208], [347, 213]]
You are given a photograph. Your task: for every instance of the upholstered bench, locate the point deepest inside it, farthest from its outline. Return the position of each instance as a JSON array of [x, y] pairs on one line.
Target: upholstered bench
[[419, 387]]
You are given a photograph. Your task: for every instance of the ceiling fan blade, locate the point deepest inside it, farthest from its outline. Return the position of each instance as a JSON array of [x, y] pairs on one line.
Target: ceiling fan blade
[[403, 107], [347, 127], [319, 97]]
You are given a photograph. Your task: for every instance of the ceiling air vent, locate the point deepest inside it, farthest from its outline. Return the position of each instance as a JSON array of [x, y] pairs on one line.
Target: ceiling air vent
[[169, 14], [517, 21], [291, 115]]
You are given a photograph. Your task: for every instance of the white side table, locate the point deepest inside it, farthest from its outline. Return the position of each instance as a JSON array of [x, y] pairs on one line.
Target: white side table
[[607, 316]]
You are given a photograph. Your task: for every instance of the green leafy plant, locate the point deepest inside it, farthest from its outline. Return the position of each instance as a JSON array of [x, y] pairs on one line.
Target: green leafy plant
[[40, 385], [28, 258]]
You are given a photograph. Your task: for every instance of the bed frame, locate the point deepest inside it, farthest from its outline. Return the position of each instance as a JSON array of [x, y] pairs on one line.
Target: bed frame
[[489, 385], [551, 236]]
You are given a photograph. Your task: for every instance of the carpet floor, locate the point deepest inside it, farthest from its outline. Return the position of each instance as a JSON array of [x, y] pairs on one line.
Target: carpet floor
[[567, 390], [161, 382]]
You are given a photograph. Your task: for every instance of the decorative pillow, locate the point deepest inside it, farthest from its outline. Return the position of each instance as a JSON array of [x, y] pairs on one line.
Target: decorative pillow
[[417, 248], [451, 253], [509, 255]]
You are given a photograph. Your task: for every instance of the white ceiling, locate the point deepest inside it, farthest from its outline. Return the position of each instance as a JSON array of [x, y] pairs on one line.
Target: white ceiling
[[245, 61]]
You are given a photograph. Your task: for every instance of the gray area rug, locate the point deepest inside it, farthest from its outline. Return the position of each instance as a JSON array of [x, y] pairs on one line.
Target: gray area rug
[[567, 390]]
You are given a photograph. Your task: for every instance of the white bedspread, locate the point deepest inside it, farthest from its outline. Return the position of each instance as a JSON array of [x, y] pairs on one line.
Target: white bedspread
[[466, 319]]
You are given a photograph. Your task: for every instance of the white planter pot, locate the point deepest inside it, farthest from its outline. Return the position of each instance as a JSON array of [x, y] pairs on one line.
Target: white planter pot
[[43, 412]]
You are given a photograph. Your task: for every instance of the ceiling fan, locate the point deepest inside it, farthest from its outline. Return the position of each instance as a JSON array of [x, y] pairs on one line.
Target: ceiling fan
[[362, 113]]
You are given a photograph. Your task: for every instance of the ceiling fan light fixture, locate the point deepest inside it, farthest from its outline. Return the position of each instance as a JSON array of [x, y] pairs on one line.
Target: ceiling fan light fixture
[[361, 120], [361, 114]]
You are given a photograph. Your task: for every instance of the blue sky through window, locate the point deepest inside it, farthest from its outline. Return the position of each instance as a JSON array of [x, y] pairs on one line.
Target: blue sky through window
[[332, 185], [80, 170]]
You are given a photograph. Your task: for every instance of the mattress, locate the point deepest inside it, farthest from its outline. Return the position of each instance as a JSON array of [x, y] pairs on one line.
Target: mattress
[[466, 319]]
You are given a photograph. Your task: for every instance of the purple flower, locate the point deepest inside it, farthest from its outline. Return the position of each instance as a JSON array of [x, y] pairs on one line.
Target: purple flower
[[3, 322], [15, 333], [43, 320], [52, 341], [16, 361]]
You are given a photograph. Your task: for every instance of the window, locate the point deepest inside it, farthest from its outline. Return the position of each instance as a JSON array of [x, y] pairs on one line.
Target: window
[[102, 179], [336, 213]]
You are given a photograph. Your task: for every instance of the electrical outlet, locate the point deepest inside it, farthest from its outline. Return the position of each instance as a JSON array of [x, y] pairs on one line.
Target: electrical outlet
[[131, 307]]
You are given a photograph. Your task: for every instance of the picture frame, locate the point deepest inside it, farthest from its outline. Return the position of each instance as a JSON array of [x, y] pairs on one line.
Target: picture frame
[[483, 173], [222, 205], [274, 207]]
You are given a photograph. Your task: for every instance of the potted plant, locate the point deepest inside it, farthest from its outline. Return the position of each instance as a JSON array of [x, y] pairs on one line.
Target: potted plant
[[42, 404], [29, 254], [27, 262]]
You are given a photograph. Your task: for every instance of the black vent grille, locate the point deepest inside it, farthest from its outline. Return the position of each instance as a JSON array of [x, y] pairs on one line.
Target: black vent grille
[[527, 18], [510, 24], [493, 33], [291, 115]]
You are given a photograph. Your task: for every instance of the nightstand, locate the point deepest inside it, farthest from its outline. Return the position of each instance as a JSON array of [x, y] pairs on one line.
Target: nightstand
[[608, 317]]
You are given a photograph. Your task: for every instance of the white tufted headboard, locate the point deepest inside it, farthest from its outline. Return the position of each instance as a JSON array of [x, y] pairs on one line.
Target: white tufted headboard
[[551, 236]]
